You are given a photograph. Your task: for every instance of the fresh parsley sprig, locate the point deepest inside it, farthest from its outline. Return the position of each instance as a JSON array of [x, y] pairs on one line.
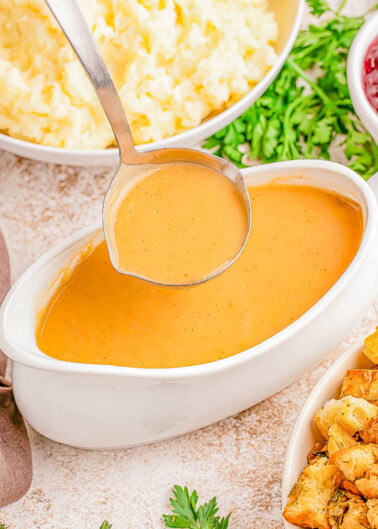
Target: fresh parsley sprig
[[187, 515], [318, 7], [298, 117]]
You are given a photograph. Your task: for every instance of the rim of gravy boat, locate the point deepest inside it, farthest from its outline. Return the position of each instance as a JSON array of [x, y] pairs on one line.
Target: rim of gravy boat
[[110, 157], [33, 357]]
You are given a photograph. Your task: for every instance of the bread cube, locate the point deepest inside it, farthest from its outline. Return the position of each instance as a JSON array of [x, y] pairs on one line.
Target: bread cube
[[372, 513], [351, 413], [370, 433], [371, 347], [368, 486], [355, 461], [338, 439], [308, 499], [356, 516], [361, 383]]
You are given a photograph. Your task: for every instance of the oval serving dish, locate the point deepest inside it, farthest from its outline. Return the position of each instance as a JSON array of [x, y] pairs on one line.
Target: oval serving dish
[[101, 407], [289, 16]]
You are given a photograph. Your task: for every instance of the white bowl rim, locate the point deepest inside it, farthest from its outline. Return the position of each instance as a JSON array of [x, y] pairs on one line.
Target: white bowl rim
[[303, 417], [188, 137], [52, 364], [363, 40]]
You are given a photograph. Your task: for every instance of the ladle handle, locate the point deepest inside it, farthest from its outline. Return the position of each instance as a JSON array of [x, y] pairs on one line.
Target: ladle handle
[[71, 20]]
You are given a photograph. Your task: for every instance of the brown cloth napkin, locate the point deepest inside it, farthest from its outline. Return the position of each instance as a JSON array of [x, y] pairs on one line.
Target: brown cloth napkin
[[15, 453]]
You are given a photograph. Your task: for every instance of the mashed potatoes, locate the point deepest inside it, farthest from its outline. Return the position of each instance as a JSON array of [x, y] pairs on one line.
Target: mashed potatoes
[[173, 61]]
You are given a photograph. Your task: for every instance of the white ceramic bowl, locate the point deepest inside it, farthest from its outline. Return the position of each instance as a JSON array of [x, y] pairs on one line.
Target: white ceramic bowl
[[99, 406], [304, 433], [365, 37], [289, 16]]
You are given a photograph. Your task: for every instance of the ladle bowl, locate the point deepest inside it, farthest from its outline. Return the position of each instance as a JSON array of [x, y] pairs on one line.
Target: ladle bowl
[[132, 162]]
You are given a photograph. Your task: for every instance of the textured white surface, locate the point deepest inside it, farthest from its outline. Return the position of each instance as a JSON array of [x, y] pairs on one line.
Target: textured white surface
[[239, 459]]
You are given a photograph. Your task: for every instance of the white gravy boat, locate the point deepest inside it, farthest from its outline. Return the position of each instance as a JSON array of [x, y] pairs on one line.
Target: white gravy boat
[[101, 407]]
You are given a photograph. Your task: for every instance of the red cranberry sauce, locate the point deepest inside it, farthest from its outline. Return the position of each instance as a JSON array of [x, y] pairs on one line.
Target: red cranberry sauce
[[370, 74]]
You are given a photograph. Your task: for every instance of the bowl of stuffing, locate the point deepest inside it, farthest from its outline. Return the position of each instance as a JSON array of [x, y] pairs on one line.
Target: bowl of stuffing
[[330, 477], [184, 70]]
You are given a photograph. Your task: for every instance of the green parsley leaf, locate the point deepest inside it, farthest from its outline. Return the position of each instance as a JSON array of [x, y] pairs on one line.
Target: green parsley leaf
[[323, 131], [233, 153], [272, 133], [104, 525], [319, 454], [338, 494], [318, 7], [187, 515], [299, 117]]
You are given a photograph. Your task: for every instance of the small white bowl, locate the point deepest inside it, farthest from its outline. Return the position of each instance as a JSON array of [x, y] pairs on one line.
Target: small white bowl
[[100, 406], [365, 37], [289, 16], [304, 433]]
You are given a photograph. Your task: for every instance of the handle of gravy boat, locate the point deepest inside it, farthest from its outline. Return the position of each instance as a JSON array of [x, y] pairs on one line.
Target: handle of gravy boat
[[71, 20]]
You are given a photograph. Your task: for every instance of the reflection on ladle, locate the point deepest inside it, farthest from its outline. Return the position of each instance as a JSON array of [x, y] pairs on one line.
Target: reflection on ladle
[[200, 183]]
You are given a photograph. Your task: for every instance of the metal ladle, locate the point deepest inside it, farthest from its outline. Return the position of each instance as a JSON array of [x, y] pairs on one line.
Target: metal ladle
[[132, 162]]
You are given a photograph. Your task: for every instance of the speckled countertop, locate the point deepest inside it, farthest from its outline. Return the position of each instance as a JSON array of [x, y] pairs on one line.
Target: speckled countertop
[[239, 459]]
